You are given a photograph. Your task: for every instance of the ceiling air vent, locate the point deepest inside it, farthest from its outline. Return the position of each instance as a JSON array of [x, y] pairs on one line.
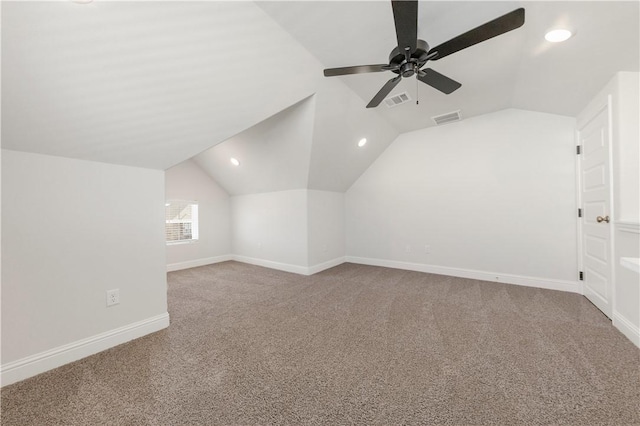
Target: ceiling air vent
[[397, 100], [447, 118]]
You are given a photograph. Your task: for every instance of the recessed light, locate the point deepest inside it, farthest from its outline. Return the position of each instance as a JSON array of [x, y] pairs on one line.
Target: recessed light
[[234, 161], [557, 36], [362, 142]]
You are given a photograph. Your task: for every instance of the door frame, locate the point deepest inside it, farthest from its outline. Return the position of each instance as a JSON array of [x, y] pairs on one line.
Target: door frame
[[581, 122]]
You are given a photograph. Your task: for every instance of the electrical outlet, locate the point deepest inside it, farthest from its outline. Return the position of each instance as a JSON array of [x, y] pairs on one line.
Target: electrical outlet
[[407, 248], [113, 297], [427, 249]]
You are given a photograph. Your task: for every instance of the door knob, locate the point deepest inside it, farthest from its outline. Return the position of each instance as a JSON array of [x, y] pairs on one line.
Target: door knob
[[602, 219]]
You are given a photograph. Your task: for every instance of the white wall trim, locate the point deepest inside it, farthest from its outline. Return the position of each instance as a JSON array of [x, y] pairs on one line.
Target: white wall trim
[[627, 328], [546, 283], [631, 227], [287, 267], [198, 262], [325, 265], [24, 368]]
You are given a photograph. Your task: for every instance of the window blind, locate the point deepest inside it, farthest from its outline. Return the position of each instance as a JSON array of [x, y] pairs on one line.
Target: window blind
[[181, 221]]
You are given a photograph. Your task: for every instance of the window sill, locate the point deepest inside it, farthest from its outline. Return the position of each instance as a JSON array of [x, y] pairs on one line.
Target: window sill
[[178, 243]]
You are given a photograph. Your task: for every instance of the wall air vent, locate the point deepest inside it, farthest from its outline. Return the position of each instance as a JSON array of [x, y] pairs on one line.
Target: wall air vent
[[447, 118], [397, 100]]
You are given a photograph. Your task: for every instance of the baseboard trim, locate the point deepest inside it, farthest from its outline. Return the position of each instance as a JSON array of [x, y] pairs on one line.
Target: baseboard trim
[[287, 267], [30, 366], [546, 283], [198, 262], [627, 328], [325, 265]]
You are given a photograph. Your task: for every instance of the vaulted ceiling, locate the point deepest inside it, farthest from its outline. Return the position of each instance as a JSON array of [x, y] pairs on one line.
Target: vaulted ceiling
[[519, 69], [313, 144], [151, 84], [146, 84]]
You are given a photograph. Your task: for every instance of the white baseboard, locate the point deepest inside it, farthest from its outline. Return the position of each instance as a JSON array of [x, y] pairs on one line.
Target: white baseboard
[[198, 262], [287, 267], [325, 265], [627, 328], [24, 368], [546, 283]]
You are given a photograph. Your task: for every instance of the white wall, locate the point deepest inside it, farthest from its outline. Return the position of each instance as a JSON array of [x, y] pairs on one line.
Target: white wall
[[187, 181], [326, 228], [627, 150], [627, 193], [493, 194], [626, 304], [74, 230], [270, 229], [299, 231]]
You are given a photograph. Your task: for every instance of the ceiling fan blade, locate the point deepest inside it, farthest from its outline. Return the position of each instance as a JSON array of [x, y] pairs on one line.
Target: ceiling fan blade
[[438, 81], [386, 89], [360, 69], [501, 25], [405, 16]]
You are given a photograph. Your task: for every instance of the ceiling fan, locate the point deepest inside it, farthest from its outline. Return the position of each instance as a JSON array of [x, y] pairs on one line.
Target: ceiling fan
[[412, 54]]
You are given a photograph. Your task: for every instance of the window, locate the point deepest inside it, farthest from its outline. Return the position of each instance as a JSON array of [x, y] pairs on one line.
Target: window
[[181, 221]]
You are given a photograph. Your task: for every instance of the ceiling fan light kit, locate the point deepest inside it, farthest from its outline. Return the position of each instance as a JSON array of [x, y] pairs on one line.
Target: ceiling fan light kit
[[411, 54]]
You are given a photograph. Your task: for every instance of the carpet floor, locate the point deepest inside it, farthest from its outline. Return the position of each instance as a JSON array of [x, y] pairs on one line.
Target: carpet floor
[[351, 345]]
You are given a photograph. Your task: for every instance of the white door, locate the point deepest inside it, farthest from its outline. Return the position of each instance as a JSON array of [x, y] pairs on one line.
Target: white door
[[596, 211]]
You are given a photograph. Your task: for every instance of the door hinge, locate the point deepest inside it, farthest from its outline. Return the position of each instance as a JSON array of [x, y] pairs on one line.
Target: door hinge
[[581, 276], [579, 212], [578, 149]]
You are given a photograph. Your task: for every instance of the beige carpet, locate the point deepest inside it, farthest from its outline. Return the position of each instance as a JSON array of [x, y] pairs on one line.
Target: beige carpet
[[351, 345]]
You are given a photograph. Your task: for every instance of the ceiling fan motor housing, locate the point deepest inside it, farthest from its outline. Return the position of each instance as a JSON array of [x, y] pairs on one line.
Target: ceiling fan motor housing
[[417, 60]]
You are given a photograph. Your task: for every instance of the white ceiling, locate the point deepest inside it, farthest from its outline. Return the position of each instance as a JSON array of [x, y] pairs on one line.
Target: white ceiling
[[312, 144], [274, 154], [146, 84], [518, 69], [151, 84]]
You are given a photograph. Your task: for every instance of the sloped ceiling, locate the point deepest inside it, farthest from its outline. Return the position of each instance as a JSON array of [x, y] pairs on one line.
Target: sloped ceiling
[[146, 84], [340, 122], [515, 70], [313, 144], [274, 154], [151, 84]]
